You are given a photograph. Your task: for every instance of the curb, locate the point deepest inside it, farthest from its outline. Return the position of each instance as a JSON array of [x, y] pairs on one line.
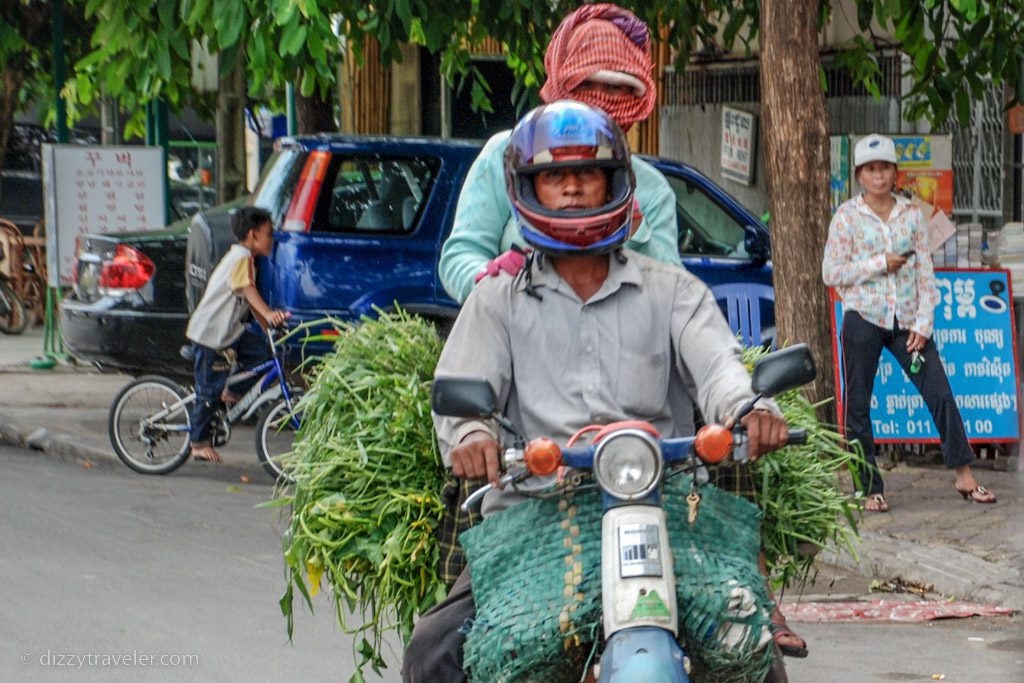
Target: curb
[[949, 571], [63, 446], [66, 447]]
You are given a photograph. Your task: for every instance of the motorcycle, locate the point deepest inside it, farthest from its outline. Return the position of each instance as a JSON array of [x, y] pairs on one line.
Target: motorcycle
[[630, 463]]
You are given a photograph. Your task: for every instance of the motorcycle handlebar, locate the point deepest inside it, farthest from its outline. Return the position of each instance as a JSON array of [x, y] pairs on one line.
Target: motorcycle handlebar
[[673, 450]]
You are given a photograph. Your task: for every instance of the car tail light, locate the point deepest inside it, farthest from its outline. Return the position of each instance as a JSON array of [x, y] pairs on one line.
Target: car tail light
[[130, 269], [304, 199]]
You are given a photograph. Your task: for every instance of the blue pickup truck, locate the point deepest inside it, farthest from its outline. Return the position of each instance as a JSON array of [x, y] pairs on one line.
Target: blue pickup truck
[[359, 224]]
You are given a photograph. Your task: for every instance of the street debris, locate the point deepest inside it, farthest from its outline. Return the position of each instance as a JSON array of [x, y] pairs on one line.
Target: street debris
[[899, 585]]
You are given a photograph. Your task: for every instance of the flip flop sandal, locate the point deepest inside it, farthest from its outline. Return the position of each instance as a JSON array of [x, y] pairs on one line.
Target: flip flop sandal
[[880, 505], [782, 629], [979, 494]]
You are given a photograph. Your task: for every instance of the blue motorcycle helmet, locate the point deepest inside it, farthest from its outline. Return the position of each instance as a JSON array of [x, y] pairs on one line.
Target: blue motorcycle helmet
[[570, 134]]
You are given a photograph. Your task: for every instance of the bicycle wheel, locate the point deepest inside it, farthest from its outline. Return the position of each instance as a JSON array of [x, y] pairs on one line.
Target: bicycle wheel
[[275, 434], [14, 319], [149, 425]]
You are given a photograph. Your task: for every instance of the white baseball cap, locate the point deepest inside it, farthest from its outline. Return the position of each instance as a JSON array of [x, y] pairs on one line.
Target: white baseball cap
[[874, 147]]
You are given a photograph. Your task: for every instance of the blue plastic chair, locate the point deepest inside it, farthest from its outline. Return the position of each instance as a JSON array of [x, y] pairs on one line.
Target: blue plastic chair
[[742, 306]]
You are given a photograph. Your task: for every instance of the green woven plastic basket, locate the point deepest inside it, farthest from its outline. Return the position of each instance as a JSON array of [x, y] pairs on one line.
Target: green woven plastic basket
[[536, 572]]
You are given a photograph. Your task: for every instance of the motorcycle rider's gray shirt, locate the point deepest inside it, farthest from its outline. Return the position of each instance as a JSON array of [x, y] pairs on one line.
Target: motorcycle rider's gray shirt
[[649, 345]]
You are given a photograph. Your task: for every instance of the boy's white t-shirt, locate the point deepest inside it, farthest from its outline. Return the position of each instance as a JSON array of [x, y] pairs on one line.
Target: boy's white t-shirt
[[217, 321]]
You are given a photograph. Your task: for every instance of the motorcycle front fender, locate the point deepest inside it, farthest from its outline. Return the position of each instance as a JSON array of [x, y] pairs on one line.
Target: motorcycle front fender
[[643, 655]]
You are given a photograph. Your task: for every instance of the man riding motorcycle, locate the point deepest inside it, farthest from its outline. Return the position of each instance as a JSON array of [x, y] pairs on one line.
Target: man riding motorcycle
[[588, 332]]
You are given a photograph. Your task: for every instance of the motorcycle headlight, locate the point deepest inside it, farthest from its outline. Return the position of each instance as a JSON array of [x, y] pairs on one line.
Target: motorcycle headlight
[[628, 464]]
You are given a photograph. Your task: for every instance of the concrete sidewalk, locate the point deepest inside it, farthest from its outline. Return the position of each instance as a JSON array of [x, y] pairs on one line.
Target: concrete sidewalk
[[930, 537]]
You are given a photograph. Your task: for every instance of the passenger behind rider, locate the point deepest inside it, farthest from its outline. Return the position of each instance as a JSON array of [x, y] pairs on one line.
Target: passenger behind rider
[[600, 55], [588, 332], [217, 326]]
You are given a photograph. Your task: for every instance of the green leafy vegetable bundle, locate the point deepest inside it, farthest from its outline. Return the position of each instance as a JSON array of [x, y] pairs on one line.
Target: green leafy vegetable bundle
[[367, 477], [798, 492]]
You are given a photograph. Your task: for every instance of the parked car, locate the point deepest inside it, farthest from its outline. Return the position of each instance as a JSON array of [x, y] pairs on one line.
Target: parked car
[[359, 224]]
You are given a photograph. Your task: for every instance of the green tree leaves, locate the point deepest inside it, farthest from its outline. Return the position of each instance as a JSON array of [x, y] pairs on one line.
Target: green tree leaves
[[140, 50]]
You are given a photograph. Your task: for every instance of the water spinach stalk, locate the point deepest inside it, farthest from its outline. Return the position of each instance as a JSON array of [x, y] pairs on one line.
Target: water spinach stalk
[[367, 476], [799, 493]]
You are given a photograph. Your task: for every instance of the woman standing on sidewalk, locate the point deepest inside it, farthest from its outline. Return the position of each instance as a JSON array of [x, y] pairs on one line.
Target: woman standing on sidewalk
[[877, 257]]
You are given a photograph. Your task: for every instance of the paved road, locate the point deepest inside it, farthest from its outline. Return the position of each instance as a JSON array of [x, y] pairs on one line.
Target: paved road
[[103, 561], [959, 650]]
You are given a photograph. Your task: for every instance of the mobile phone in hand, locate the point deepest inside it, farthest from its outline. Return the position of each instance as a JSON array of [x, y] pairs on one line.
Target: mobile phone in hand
[[907, 254]]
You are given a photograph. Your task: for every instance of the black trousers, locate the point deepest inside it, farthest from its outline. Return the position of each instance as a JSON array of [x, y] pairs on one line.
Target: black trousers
[[862, 347], [434, 654]]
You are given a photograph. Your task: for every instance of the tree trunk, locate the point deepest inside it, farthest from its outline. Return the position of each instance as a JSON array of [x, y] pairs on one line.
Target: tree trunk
[[797, 163], [314, 114], [231, 135]]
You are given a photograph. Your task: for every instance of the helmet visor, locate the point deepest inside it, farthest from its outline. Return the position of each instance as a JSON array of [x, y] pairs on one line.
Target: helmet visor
[[565, 136]]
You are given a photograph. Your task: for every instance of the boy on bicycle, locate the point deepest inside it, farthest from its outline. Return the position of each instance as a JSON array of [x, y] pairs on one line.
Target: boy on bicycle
[[217, 326]]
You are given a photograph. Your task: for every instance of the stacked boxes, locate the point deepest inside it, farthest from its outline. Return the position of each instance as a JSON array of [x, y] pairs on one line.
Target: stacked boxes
[[968, 245], [1007, 247]]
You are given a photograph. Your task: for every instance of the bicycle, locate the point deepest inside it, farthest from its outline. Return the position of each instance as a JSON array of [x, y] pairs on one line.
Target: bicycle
[[149, 421]]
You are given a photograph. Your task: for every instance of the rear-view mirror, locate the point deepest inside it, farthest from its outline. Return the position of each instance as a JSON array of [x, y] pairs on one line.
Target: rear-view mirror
[[462, 397], [783, 370]]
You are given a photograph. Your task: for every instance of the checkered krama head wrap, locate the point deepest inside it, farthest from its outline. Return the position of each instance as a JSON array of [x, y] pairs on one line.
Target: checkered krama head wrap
[[598, 39]]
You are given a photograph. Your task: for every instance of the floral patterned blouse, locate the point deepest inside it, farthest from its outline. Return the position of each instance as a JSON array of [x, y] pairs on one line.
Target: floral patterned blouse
[[854, 264]]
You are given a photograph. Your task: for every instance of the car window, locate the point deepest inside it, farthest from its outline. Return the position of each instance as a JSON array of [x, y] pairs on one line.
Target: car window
[[375, 194], [705, 227], [280, 174]]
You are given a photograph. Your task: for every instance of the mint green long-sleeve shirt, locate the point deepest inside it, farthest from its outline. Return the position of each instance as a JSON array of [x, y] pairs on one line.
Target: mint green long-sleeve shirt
[[484, 227]]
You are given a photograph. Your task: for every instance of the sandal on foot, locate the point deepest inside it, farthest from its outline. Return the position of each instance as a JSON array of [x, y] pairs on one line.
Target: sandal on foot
[[780, 630], [876, 503], [979, 494]]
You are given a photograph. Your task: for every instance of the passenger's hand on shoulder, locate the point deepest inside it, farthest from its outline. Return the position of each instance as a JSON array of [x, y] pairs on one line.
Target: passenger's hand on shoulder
[[477, 457], [766, 432], [510, 262]]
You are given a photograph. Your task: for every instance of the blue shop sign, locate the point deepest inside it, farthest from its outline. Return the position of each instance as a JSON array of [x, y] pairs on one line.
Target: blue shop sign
[[976, 339]]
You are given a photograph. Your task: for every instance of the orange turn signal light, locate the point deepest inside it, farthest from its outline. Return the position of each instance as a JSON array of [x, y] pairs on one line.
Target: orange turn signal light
[[713, 443], [542, 456]]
